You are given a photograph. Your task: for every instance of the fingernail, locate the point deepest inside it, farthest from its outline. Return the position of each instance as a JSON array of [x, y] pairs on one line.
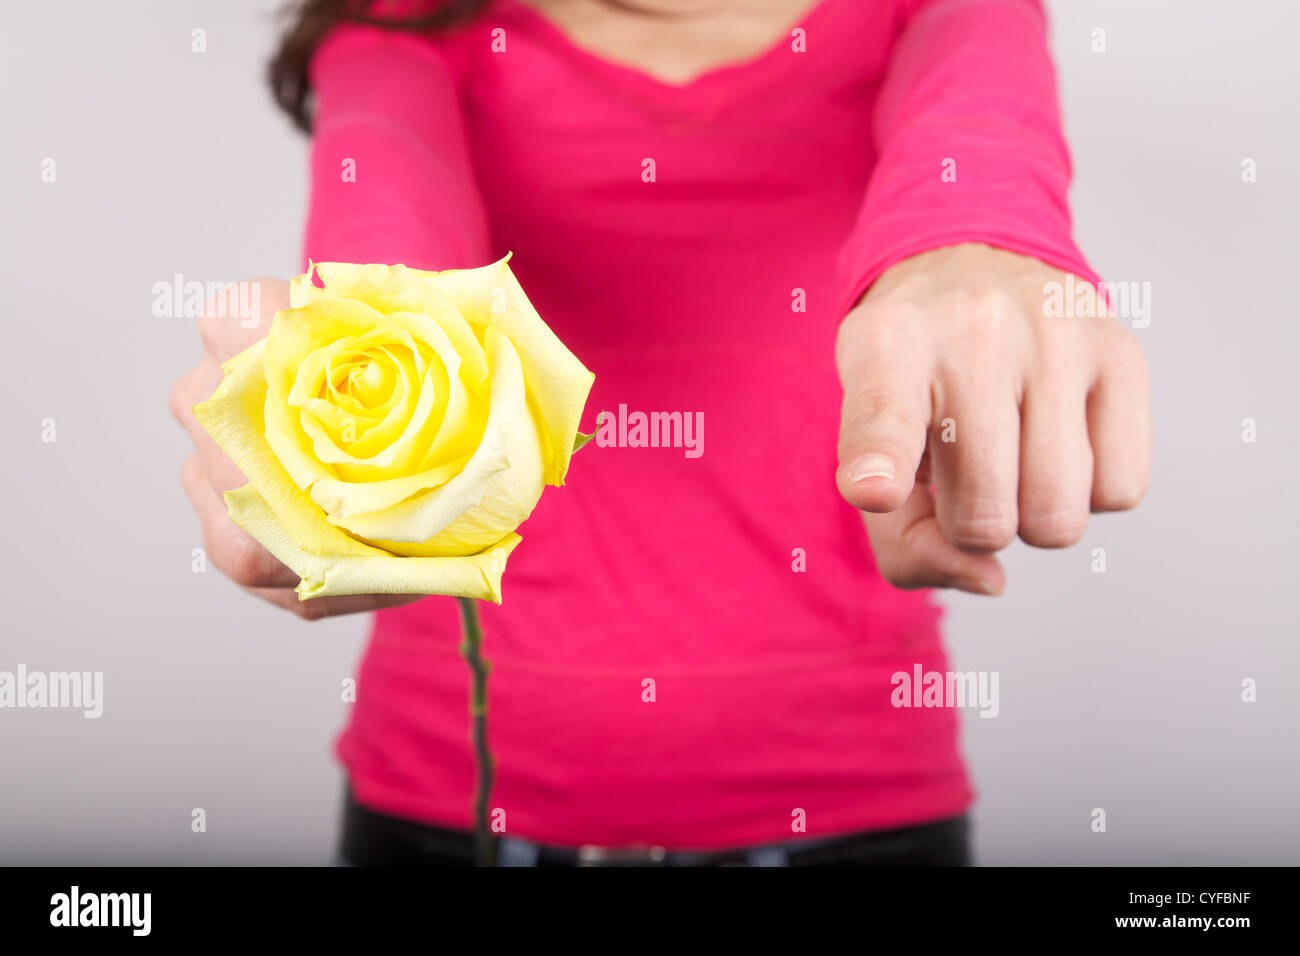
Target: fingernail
[[873, 466]]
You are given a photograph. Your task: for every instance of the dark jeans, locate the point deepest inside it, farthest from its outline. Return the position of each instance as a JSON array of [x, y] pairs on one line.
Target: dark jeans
[[375, 839]]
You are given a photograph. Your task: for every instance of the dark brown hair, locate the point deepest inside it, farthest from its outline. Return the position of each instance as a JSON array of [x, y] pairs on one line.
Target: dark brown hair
[[311, 20]]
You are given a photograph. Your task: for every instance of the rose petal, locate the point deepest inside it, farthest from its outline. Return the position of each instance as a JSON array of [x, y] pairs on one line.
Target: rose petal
[[233, 416], [345, 498], [474, 576], [557, 381], [489, 296], [393, 454], [504, 475]]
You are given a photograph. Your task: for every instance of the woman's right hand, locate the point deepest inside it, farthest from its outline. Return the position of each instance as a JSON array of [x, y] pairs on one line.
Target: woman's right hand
[[207, 473]]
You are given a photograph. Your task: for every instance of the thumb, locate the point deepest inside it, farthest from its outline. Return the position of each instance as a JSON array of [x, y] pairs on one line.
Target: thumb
[[240, 315]]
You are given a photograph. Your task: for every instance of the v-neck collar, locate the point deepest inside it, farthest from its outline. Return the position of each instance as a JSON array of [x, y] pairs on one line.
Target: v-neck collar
[[706, 86]]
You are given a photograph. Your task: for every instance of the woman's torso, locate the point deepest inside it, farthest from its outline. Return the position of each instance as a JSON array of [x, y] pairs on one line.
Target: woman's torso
[[682, 241]]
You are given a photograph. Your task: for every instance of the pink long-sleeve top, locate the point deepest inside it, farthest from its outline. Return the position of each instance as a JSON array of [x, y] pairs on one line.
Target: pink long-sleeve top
[[737, 581]]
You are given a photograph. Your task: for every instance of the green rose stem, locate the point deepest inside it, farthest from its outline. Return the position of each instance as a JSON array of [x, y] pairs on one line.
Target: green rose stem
[[471, 649]]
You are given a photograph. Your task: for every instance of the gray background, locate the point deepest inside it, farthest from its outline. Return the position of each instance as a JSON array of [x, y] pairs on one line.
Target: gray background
[[1118, 690]]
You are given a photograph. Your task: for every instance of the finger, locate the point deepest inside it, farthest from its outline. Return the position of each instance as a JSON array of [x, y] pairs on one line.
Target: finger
[[193, 387], [314, 609], [1119, 426], [240, 315], [911, 551], [975, 452], [884, 417], [235, 553], [1055, 461]]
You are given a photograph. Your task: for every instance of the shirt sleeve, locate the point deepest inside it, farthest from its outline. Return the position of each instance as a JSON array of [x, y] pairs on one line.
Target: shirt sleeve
[[968, 140], [391, 175]]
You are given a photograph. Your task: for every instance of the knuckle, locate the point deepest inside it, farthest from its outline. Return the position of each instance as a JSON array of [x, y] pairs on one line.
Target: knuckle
[[1055, 529], [178, 398], [317, 609], [990, 529], [1057, 341], [896, 563], [1120, 353], [903, 580], [991, 313], [244, 561], [897, 570], [990, 304], [871, 331], [986, 342], [905, 576], [847, 340], [1058, 366], [313, 609], [211, 327]]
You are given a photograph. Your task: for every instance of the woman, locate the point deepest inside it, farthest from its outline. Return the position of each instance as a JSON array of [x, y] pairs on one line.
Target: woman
[[826, 232]]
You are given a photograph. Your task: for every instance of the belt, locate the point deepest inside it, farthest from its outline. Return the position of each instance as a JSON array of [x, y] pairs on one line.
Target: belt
[[375, 839], [514, 852]]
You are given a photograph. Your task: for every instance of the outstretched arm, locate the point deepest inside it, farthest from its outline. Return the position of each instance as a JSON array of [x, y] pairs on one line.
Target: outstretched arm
[[391, 182], [956, 374]]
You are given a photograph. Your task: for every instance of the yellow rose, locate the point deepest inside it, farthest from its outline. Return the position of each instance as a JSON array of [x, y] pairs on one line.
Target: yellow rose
[[396, 427]]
